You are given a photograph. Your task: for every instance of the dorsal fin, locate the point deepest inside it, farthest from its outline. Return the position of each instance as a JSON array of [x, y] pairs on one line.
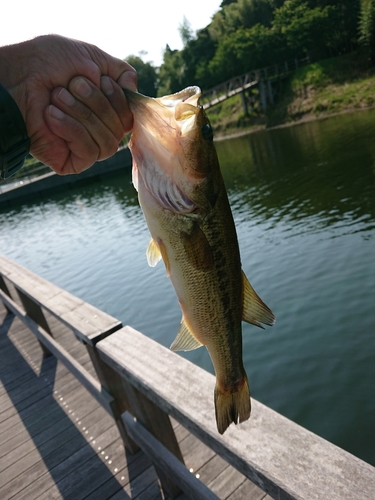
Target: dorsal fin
[[255, 310], [185, 340]]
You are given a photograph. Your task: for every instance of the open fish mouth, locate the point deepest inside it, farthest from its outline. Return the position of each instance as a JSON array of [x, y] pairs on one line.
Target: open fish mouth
[[175, 111]]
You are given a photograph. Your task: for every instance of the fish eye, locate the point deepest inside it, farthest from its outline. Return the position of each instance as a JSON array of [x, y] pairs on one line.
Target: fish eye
[[207, 132]]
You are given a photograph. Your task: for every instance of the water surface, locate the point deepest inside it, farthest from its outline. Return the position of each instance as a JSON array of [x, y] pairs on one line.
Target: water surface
[[303, 203]]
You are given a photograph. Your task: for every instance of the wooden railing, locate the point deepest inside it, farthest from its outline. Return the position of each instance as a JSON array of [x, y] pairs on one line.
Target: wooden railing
[[250, 79], [142, 384]]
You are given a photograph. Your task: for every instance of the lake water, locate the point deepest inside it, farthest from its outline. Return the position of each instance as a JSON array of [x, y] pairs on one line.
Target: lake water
[[303, 203]]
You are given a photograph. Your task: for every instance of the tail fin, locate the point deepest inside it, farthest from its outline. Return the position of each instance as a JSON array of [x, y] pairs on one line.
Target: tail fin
[[232, 405]]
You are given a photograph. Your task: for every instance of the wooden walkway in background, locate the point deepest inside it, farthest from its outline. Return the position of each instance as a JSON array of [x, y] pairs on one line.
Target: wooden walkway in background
[[57, 442]]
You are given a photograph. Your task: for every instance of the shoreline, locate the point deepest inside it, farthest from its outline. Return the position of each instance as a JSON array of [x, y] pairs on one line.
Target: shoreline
[[305, 119]]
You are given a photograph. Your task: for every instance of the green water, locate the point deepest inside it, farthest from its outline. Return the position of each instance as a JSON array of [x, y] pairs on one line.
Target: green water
[[303, 203]]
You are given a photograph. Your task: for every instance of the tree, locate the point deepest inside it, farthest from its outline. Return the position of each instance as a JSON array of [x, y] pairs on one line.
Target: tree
[[186, 32], [147, 75], [196, 56], [171, 72], [241, 14], [303, 28], [367, 27], [244, 50]]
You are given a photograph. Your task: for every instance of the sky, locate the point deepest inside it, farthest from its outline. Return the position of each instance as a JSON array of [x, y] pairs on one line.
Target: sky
[[120, 28]]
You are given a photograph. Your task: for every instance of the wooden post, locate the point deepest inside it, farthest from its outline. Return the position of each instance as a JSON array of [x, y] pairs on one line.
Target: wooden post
[[152, 416], [114, 384], [128, 398], [244, 102], [191, 486], [4, 288], [158, 423], [270, 93], [35, 312], [263, 96]]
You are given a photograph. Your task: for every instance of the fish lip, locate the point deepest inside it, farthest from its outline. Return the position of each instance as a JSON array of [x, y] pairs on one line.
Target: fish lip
[[185, 95]]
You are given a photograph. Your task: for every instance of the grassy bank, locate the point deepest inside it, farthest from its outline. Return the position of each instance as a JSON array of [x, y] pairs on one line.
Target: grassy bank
[[326, 87]]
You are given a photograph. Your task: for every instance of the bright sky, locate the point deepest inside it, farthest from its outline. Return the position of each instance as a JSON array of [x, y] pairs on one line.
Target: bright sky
[[120, 28]]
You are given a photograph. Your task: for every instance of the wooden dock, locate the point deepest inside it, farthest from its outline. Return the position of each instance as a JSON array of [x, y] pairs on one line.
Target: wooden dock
[[58, 442], [64, 419]]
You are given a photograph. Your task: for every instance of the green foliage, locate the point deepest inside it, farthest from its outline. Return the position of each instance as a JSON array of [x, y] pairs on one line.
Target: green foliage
[[171, 72], [244, 50], [147, 76], [240, 14], [252, 34], [302, 28], [196, 55], [329, 86], [367, 27], [186, 32]]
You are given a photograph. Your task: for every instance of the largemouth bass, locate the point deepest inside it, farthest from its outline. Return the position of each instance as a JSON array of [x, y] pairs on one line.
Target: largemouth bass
[[182, 194]]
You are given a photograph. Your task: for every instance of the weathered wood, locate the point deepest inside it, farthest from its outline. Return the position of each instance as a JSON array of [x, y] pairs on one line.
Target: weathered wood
[[128, 398], [87, 322], [87, 380], [46, 461], [45, 464], [114, 385], [158, 454], [5, 289], [158, 424], [36, 314], [269, 449]]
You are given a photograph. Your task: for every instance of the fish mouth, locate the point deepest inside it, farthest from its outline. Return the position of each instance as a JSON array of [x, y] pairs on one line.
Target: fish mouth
[[189, 95], [176, 111]]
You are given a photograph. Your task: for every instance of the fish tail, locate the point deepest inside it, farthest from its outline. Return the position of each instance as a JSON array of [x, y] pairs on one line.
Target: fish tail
[[232, 404]]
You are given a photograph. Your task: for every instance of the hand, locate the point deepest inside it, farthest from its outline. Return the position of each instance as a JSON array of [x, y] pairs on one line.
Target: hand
[[70, 96]]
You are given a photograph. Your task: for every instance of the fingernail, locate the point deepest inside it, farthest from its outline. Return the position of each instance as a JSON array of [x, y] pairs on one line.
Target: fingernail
[[66, 97], [82, 88], [56, 112], [106, 85]]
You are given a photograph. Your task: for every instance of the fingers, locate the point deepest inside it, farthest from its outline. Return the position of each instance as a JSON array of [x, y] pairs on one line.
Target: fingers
[[86, 104], [91, 120], [115, 96], [74, 149]]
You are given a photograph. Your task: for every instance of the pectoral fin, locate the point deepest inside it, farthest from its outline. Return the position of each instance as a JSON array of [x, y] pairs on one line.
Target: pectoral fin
[[153, 253], [198, 249], [185, 340], [255, 310]]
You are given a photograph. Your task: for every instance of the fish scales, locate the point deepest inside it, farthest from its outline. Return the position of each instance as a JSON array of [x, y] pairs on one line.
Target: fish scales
[[184, 200]]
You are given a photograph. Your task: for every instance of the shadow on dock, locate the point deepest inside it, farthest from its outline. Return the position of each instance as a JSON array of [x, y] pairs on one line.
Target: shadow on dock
[[42, 449]]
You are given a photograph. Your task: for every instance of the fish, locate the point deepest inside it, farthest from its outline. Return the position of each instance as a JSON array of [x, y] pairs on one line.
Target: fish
[[184, 200]]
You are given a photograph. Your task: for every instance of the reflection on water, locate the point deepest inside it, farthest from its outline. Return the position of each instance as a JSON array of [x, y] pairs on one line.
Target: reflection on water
[[303, 203]]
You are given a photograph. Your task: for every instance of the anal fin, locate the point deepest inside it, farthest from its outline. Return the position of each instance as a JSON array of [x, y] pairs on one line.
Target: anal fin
[[185, 340]]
